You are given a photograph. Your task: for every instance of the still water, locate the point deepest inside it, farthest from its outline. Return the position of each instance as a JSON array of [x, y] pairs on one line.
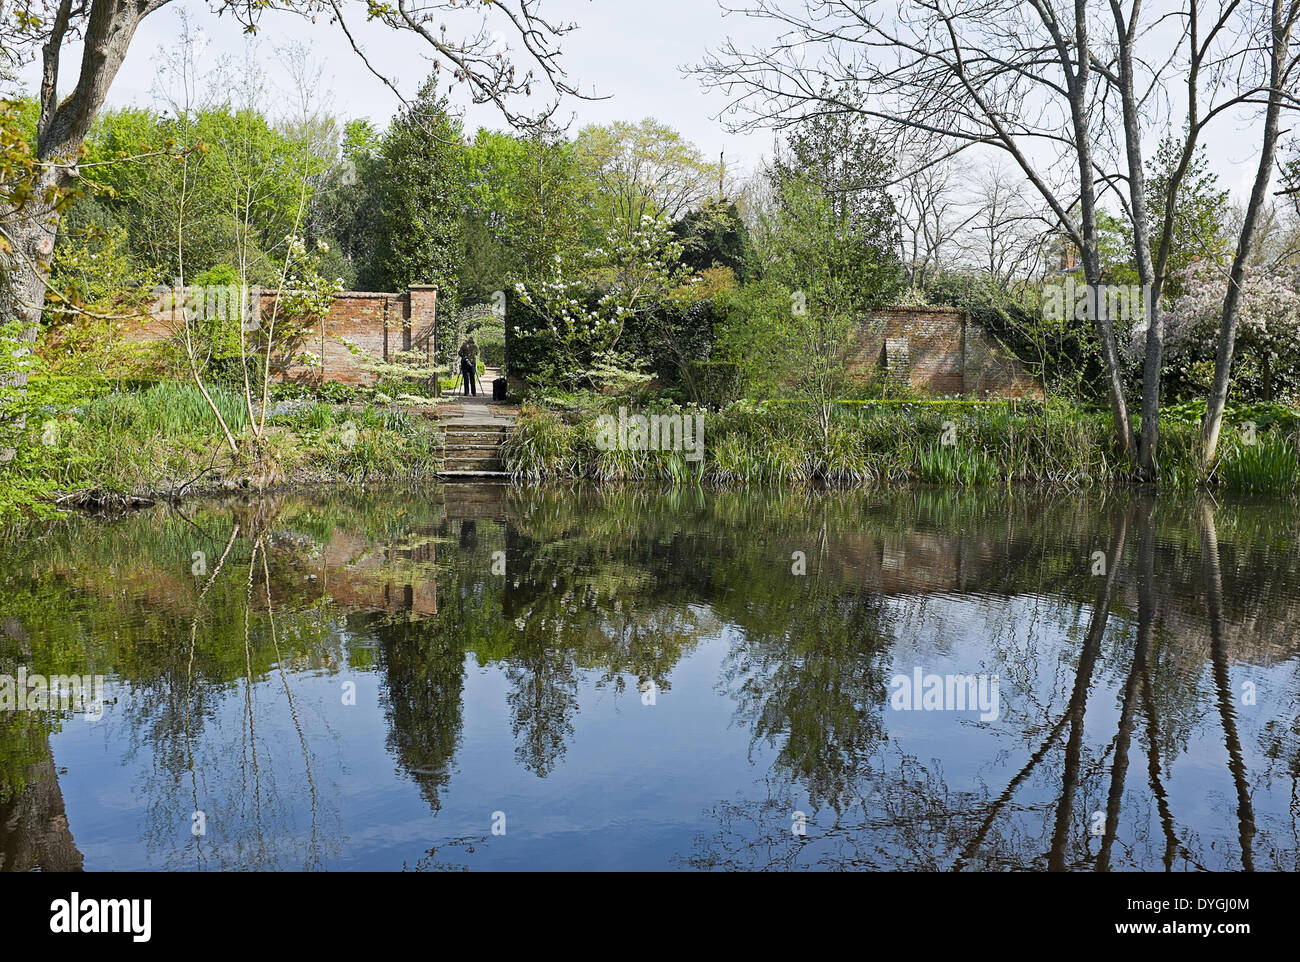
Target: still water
[[480, 678]]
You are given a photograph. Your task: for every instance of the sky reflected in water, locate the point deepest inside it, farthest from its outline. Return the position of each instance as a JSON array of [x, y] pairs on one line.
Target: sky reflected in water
[[635, 680]]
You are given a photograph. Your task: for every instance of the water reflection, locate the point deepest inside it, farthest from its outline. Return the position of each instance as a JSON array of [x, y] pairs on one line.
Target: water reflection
[[653, 680]]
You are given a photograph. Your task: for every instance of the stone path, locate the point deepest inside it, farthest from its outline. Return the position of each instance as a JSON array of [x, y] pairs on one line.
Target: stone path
[[473, 431], [479, 409]]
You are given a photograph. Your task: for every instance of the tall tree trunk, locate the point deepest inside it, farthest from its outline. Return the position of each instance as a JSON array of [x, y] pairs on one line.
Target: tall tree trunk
[[1078, 96], [23, 275], [1155, 332], [1282, 25], [60, 132]]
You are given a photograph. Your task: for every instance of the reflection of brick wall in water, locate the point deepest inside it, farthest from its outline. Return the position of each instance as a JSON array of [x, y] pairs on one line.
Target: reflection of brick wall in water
[[381, 324], [941, 351]]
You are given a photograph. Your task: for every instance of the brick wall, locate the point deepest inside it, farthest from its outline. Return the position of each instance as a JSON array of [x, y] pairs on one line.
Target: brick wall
[[939, 351], [381, 324]]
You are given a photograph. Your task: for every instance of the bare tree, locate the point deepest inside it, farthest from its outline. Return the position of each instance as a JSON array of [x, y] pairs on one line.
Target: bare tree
[[1282, 61], [931, 218], [1006, 235], [1047, 82], [1016, 76]]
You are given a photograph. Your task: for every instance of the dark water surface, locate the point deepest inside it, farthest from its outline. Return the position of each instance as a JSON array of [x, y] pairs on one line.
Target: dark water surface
[[634, 680]]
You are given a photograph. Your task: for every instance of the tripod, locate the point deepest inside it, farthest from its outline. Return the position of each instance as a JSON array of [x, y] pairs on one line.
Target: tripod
[[460, 379]]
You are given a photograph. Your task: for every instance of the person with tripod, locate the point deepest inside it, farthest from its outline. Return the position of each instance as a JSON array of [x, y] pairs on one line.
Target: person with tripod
[[468, 355]]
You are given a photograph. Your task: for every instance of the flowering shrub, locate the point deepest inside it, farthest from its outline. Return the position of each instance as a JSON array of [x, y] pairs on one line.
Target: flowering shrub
[[304, 302], [307, 295], [577, 316], [1267, 362]]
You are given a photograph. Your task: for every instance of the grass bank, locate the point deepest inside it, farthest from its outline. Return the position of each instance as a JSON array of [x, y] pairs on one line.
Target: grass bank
[[955, 443], [88, 444]]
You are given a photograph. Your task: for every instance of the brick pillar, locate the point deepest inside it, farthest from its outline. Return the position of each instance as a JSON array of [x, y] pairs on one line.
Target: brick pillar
[[423, 299]]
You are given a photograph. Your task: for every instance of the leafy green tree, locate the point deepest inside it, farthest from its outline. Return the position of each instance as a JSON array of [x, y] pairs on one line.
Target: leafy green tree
[[528, 202], [714, 236], [493, 165], [345, 208], [754, 334], [829, 236], [555, 213], [1200, 213], [645, 169], [808, 247], [421, 194], [838, 158]]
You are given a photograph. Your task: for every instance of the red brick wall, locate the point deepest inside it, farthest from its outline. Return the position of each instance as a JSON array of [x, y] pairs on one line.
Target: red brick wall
[[371, 321], [948, 353], [381, 324]]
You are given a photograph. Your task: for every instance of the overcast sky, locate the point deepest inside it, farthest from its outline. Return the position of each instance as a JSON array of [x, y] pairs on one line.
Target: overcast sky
[[630, 51], [626, 50]]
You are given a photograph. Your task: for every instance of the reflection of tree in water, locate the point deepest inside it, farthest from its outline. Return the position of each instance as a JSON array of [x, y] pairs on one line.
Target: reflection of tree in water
[[437, 858], [623, 585], [1073, 805], [239, 646], [424, 673], [543, 700], [575, 605], [34, 831], [904, 818], [812, 686]]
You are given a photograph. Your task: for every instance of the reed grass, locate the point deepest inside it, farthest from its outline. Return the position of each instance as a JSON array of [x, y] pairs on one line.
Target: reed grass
[[1053, 445]]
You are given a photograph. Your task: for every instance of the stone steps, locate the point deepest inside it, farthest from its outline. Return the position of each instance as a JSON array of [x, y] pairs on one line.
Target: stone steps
[[478, 477], [473, 452], [473, 464]]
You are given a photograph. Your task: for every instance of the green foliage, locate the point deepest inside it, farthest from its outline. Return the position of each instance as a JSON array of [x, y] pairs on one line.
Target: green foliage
[[572, 328], [166, 410], [1269, 466], [945, 442], [714, 382], [715, 236], [19, 169], [528, 202], [157, 441], [334, 392], [783, 443], [420, 192], [490, 335], [1063, 354], [832, 253], [180, 201], [830, 181], [1200, 211], [644, 170], [1264, 415], [345, 206]]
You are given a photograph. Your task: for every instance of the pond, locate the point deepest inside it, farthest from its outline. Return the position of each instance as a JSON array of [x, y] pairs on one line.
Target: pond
[[475, 678]]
